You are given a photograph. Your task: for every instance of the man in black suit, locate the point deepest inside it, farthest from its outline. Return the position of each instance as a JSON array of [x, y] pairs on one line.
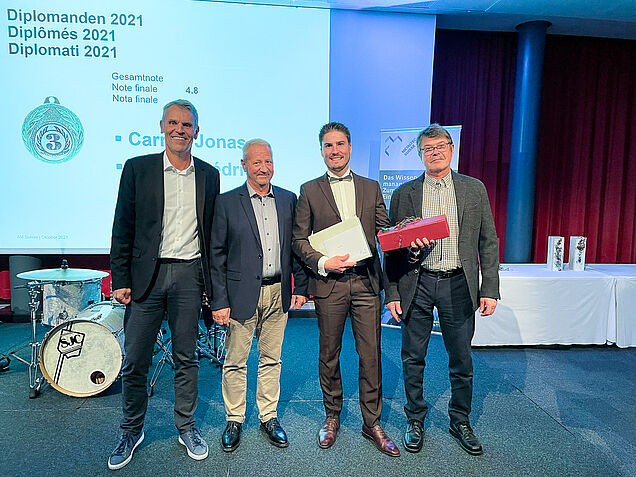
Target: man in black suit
[[252, 265], [159, 263], [442, 274]]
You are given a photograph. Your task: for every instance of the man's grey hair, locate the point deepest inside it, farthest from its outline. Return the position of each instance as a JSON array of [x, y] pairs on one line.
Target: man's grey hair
[[255, 142], [183, 104], [431, 132]]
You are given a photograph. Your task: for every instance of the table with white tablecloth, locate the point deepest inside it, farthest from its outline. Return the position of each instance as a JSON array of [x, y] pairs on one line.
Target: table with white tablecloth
[[623, 330], [539, 306]]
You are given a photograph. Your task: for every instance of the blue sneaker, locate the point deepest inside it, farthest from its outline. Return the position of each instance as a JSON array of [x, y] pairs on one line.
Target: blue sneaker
[[124, 451], [194, 444]]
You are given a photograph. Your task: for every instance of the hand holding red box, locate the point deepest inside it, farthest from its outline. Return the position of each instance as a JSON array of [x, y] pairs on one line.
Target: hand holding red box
[[402, 234]]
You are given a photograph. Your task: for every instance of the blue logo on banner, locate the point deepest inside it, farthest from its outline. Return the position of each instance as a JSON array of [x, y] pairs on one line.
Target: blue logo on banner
[[389, 141]]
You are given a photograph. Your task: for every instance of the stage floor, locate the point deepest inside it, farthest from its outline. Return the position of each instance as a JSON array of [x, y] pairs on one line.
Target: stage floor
[[538, 412]]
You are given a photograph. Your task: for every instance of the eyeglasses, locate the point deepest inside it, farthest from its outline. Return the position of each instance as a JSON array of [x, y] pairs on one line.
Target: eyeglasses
[[427, 151]]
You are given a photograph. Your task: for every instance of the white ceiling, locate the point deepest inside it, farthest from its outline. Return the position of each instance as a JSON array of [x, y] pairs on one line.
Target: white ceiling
[[602, 18]]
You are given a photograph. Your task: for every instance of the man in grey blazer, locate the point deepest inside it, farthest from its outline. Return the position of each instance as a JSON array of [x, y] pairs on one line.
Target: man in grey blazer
[[341, 287], [442, 274]]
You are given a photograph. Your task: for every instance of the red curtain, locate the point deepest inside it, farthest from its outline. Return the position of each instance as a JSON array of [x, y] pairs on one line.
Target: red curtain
[[473, 85], [586, 167]]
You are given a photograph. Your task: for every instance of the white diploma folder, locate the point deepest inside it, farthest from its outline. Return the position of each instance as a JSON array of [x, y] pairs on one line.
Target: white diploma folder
[[346, 237]]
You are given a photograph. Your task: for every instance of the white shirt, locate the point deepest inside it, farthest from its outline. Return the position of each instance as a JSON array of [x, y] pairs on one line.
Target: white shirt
[[179, 234], [344, 193]]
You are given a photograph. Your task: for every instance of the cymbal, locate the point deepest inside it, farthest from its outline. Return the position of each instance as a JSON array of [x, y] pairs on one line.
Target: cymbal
[[63, 274]]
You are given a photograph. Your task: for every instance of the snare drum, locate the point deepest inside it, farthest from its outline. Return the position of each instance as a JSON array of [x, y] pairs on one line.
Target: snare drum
[[83, 356], [61, 300]]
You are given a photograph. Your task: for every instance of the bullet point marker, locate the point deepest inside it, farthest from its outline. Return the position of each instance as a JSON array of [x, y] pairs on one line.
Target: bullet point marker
[[118, 138]]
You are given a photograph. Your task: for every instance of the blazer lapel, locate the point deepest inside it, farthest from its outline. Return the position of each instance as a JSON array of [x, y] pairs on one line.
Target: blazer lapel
[[416, 196], [158, 192], [460, 196], [326, 190], [280, 215], [246, 203], [199, 178], [357, 184]]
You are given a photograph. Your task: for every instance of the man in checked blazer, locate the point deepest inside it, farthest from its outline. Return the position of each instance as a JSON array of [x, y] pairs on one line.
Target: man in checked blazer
[[442, 274], [341, 287]]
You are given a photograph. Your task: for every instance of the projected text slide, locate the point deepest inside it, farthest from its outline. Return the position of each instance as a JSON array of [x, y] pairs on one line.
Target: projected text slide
[[84, 87]]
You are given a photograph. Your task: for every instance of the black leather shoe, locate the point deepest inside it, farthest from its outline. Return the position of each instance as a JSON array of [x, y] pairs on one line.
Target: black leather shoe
[[466, 437], [275, 433], [231, 437], [414, 436]]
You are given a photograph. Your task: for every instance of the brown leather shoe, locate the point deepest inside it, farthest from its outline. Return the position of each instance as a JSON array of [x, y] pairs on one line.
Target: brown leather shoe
[[328, 431], [381, 440]]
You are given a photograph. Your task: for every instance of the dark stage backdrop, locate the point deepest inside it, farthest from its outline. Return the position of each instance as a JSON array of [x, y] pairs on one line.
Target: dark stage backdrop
[[586, 168]]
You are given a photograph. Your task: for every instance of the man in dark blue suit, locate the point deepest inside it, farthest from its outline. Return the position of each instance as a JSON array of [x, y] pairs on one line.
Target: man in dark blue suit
[[159, 264], [252, 265]]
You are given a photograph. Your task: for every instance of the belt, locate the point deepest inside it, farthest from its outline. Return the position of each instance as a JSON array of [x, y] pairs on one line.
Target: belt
[[444, 273], [176, 260], [265, 281], [357, 270]]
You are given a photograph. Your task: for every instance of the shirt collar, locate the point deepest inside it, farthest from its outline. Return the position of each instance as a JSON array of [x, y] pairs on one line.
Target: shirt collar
[[167, 165], [446, 181], [253, 193]]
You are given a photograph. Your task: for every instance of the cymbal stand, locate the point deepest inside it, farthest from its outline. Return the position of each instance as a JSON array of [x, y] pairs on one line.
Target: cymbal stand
[[165, 347], [35, 379]]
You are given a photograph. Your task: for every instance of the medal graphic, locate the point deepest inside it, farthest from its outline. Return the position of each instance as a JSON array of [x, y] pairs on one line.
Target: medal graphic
[[52, 133]]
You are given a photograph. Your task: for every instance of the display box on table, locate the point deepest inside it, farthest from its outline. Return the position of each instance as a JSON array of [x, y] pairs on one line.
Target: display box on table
[[578, 246], [555, 253]]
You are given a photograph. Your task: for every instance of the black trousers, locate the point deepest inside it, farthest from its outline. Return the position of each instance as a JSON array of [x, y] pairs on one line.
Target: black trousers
[[457, 321], [176, 289], [352, 295]]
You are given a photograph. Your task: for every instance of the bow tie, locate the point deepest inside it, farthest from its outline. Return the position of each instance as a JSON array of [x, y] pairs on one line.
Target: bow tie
[[347, 177]]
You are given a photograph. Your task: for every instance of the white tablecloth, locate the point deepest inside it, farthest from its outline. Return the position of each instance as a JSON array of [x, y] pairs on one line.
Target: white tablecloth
[[623, 330], [539, 306]]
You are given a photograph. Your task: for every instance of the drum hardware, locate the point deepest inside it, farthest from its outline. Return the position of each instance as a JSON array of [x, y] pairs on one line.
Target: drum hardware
[[211, 340], [210, 345]]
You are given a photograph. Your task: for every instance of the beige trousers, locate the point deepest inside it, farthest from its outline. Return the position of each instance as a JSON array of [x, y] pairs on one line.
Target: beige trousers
[[269, 323]]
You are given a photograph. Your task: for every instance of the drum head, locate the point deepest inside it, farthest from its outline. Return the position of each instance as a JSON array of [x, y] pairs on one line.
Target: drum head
[[80, 358]]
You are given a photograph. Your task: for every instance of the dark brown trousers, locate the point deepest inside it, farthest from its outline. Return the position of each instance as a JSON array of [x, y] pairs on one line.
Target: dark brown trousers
[[352, 295]]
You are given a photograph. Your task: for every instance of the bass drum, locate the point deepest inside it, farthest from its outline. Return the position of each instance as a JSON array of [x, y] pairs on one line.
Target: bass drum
[[83, 356]]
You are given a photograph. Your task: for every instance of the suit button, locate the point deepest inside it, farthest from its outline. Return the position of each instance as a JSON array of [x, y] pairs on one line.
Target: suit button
[[417, 270], [260, 256], [258, 277]]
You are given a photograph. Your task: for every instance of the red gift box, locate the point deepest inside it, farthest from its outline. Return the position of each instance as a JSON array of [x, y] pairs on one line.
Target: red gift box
[[402, 234]]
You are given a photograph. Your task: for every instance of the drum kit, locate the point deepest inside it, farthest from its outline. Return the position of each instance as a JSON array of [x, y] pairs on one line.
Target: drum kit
[[82, 354]]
